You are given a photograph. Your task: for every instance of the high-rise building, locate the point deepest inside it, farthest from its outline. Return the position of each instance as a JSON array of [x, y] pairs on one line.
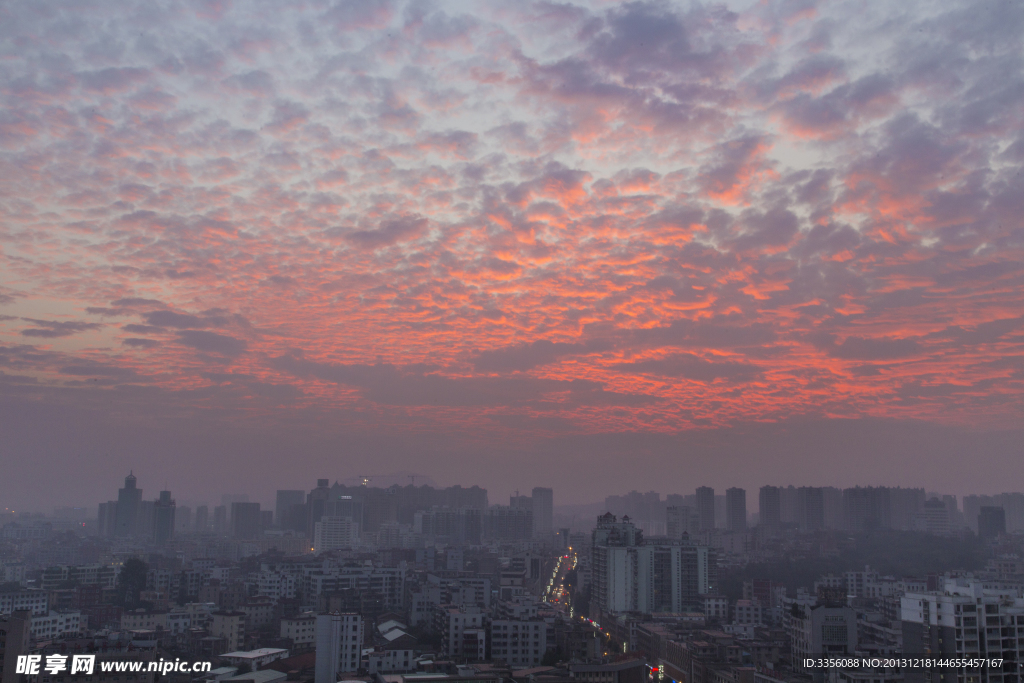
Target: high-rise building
[[163, 518], [286, 500], [991, 521], [964, 619], [810, 504], [503, 523], [229, 625], [543, 512], [736, 509], [339, 642], [129, 499], [463, 526], [246, 521], [315, 502], [15, 640], [630, 576], [182, 520], [519, 502], [106, 522], [144, 519], [820, 630], [680, 520], [905, 506], [867, 508], [833, 502], [770, 508], [934, 517], [220, 519], [706, 508], [202, 519], [344, 506], [333, 533]]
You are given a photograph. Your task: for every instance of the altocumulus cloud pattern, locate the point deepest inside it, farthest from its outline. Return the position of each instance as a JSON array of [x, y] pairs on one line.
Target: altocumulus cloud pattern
[[514, 218]]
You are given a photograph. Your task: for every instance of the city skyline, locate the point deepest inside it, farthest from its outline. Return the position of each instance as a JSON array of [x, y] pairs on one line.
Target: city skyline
[[591, 246], [716, 509]]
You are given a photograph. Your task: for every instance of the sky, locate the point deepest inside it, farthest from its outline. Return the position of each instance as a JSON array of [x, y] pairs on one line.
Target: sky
[[594, 246]]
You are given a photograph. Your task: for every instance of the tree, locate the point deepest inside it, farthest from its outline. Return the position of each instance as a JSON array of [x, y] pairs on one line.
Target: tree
[[130, 583], [552, 657]]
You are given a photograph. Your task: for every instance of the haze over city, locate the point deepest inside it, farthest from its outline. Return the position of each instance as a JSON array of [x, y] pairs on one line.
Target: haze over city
[[588, 246]]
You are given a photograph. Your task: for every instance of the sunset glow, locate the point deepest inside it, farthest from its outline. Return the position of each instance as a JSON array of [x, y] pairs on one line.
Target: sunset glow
[[510, 222]]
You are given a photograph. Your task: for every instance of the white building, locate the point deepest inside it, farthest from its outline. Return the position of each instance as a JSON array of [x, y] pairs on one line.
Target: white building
[[143, 620], [332, 533], [966, 619], [32, 599], [301, 630], [56, 625], [748, 612], [391, 661], [252, 660], [178, 621], [716, 607], [520, 644], [339, 640], [819, 630], [652, 578], [464, 633], [276, 585]]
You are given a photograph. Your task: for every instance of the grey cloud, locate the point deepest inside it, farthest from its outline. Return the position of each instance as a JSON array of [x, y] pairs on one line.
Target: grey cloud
[[137, 343], [693, 367], [983, 333], [522, 357], [722, 173], [142, 329], [390, 231], [288, 115], [50, 329], [128, 302], [256, 83], [862, 348], [774, 228], [112, 80], [212, 342], [172, 319], [392, 385], [182, 321], [709, 333], [94, 369]]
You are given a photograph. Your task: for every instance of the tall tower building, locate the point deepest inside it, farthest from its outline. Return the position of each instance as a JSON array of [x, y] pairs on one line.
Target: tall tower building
[[220, 519], [517, 502], [107, 519], [679, 520], [706, 508], [315, 501], [991, 521], [770, 508], [246, 521], [202, 519], [810, 508], [128, 501], [339, 642], [332, 533], [286, 500], [736, 509], [163, 518], [543, 511]]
